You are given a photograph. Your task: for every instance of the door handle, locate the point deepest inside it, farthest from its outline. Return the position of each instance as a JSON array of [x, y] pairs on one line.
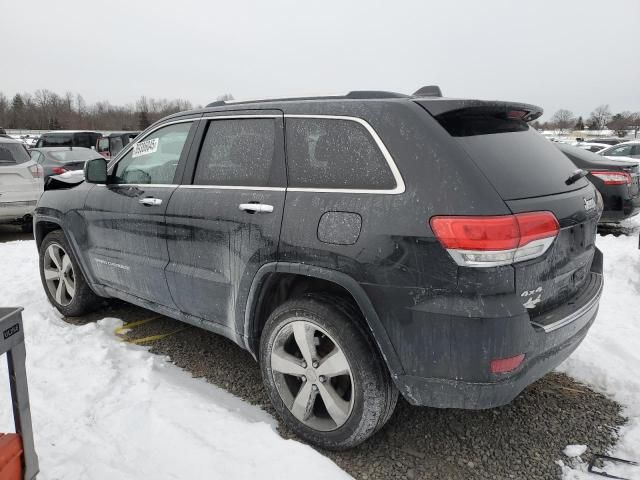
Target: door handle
[[150, 201], [256, 207]]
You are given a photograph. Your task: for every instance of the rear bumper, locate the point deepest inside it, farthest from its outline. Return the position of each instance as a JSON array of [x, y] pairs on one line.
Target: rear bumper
[[16, 211], [442, 393], [467, 382], [618, 203]]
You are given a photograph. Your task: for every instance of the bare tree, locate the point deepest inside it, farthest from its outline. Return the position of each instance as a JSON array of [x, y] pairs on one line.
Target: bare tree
[[634, 123], [600, 117], [563, 120], [224, 97]]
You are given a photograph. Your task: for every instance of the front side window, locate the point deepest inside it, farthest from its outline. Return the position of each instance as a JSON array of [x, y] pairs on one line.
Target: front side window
[[333, 153], [237, 152], [155, 158]]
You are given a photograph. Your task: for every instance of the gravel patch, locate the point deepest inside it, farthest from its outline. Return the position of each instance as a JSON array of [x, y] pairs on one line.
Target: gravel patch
[[520, 440]]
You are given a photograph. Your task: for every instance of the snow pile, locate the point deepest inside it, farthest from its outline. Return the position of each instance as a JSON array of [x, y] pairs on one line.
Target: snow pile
[[609, 358], [108, 410], [574, 450]]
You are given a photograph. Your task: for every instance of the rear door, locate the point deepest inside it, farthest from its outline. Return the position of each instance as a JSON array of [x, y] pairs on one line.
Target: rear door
[[223, 223], [126, 235]]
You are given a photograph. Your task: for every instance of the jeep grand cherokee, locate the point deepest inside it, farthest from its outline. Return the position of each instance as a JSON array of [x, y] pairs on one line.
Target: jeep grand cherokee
[[359, 247]]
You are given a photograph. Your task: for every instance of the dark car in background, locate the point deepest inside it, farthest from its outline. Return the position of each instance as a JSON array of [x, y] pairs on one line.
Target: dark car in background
[[57, 160], [110, 144], [69, 138], [616, 180], [358, 246]]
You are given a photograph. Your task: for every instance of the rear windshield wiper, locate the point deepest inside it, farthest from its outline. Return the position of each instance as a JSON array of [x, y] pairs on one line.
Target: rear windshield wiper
[[575, 176]]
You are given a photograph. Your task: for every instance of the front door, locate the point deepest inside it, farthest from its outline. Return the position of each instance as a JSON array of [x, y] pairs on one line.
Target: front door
[[223, 223], [126, 236]]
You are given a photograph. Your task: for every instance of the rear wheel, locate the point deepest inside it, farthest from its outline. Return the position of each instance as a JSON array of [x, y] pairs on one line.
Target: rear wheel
[[324, 375], [62, 279]]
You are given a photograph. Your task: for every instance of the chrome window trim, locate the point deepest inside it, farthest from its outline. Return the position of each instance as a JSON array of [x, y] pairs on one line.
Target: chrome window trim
[[233, 187], [399, 188]]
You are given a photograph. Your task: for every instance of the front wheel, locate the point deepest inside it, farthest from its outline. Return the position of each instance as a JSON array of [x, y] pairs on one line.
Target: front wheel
[[323, 373], [62, 279]]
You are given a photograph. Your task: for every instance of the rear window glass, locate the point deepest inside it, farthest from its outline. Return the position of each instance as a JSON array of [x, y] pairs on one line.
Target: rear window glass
[[56, 141], [72, 155], [332, 153], [518, 161], [12, 154]]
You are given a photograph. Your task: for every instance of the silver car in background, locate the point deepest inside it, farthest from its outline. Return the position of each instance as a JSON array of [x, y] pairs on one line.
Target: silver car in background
[[21, 183]]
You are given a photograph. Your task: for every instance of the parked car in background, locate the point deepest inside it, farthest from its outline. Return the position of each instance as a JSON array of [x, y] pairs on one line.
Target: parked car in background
[[57, 160], [616, 180], [20, 183], [623, 151], [111, 144], [607, 140], [591, 147], [68, 138], [358, 246]]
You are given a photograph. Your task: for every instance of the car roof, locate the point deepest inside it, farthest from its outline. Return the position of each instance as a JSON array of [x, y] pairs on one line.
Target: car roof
[[429, 97], [55, 132], [10, 140], [60, 149]]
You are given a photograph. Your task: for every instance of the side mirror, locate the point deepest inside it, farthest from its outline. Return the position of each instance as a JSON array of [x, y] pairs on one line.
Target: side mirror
[[95, 171]]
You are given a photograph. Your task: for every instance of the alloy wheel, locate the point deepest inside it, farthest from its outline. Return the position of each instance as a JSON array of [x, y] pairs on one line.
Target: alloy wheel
[[312, 375], [59, 275]]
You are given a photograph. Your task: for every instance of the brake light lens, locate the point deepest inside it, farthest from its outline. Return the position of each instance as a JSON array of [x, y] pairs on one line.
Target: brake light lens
[[58, 170], [505, 365], [490, 241], [613, 178], [36, 171]]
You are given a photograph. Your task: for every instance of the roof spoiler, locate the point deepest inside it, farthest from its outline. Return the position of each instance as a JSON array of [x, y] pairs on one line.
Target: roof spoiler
[[523, 111]]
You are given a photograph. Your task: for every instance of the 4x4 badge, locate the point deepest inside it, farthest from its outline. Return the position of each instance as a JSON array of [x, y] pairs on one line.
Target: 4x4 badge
[[589, 203]]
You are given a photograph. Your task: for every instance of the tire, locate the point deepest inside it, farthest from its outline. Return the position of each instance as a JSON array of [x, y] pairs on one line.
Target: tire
[[71, 302], [362, 400]]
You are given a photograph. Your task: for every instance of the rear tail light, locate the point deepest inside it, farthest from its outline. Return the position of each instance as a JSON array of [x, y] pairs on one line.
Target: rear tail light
[[490, 241], [36, 171], [613, 178], [505, 365], [58, 170]]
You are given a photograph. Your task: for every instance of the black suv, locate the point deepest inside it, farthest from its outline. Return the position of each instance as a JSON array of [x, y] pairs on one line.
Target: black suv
[[358, 246]]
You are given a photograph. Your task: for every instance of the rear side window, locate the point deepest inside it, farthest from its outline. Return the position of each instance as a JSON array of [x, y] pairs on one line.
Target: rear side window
[[238, 153], [334, 153], [13, 154]]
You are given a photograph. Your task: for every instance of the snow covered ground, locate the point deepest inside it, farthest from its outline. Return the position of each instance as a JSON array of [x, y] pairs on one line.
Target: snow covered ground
[[105, 410], [109, 410], [609, 358]]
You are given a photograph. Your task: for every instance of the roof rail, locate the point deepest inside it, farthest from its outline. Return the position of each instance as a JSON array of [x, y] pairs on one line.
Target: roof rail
[[353, 95], [428, 91], [365, 94]]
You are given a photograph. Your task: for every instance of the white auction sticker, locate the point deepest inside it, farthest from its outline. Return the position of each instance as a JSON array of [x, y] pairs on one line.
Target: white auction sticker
[[145, 148]]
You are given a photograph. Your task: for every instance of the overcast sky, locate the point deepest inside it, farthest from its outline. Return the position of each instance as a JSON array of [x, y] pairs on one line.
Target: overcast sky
[[556, 54]]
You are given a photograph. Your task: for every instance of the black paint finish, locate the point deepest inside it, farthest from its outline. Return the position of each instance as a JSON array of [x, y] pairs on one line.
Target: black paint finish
[[198, 257]]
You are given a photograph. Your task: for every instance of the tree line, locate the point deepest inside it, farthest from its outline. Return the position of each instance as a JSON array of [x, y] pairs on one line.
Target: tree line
[[47, 110], [600, 118]]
